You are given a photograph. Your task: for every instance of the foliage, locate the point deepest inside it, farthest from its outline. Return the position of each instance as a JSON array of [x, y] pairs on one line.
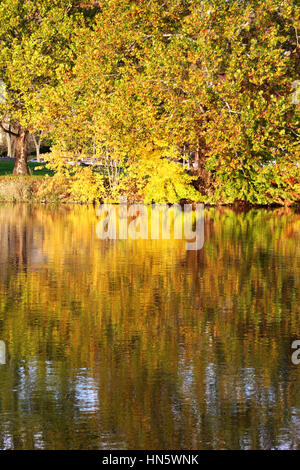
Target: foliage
[[161, 177], [211, 79]]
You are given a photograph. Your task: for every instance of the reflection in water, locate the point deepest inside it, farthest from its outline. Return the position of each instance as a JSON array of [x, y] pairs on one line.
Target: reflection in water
[[2, 352], [143, 344]]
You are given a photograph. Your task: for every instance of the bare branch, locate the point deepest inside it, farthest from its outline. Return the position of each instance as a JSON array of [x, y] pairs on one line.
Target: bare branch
[[8, 131]]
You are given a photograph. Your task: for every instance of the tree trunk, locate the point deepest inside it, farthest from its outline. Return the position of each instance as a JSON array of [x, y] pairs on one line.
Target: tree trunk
[[20, 167], [10, 140], [37, 143], [9, 144]]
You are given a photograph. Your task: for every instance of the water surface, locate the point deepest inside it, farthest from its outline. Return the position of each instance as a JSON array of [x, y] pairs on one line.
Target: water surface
[[140, 344]]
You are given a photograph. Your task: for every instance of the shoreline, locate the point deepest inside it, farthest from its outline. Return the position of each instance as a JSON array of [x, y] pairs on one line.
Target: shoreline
[[33, 189]]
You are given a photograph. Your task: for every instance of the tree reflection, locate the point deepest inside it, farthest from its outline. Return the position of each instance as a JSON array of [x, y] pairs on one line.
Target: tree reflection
[[142, 344]]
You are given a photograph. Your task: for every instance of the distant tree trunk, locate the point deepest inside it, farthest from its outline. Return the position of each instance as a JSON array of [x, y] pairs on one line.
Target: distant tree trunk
[[13, 150], [197, 157], [9, 144], [20, 167], [37, 139], [10, 141]]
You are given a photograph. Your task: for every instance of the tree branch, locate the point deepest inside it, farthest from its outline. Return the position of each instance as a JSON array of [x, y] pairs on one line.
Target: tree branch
[[8, 131]]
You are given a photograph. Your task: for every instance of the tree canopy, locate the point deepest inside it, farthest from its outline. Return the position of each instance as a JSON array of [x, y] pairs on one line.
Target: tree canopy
[[144, 85]]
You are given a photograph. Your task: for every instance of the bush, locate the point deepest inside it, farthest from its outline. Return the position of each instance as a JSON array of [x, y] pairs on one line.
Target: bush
[[19, 189]]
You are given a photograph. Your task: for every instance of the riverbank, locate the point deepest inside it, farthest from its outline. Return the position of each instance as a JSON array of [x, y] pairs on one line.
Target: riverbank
[[40, 187], [20, 189], [30, 188], [37, 189]]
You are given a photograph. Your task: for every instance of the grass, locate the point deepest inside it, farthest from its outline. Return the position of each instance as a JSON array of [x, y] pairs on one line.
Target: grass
[[36, 169]]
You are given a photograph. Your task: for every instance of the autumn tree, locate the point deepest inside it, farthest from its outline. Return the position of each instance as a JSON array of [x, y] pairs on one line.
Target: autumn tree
[[212, 80], [35, 50], [141, 85]]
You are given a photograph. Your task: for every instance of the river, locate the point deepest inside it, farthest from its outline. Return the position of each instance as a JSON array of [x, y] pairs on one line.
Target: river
[[143, 344]]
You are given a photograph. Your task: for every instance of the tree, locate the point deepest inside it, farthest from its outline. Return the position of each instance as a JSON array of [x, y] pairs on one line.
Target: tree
[[143, 84], [35, 40], [162, 75], [37, 140]]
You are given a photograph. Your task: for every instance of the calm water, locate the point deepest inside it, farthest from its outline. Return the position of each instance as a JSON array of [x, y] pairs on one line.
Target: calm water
[[144, 345]]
